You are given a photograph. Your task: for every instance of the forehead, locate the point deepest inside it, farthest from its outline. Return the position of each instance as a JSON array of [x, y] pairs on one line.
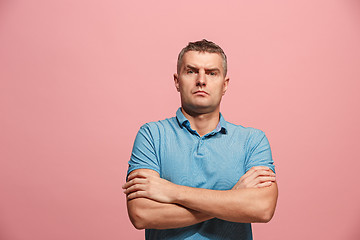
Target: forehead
[[202, 60]]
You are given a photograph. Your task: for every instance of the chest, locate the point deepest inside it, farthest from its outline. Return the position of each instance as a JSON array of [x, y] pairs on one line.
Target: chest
[[216, 162]]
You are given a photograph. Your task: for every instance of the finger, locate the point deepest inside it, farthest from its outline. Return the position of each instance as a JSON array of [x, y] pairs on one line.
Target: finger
[[256, 170], [248, 173], [263, 169], [255, 179], [135, 188], [137, 194], [137, 174], [134, 181], [249, 179], [264, 179], [253, 173], [264, 184], [265, 173], [257, 173]]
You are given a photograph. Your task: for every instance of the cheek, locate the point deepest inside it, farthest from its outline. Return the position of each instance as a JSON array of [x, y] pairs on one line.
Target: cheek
[[185, 86], [183, 90], [219, 89], [220, 93]]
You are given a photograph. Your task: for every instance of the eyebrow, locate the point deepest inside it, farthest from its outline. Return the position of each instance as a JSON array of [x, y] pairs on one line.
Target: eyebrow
[[191, 67], [213, 70], [207, 70]]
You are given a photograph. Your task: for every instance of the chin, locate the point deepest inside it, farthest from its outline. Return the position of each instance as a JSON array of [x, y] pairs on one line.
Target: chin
[[200, 109]]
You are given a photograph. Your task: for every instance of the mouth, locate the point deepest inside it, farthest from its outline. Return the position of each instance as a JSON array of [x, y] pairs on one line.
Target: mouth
[[200, 92]]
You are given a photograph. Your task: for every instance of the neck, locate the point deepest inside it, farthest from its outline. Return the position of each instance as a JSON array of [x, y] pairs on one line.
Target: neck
[[203, 123]]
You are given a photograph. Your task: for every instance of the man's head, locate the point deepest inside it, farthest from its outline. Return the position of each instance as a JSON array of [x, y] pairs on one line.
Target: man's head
[[201, 77], [202, 46]]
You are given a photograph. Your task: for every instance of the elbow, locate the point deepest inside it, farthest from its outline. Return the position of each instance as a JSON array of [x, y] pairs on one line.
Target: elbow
[[267, 208], [137, 220], [142, 213], [139, 225], [266, 216], [266, 213]]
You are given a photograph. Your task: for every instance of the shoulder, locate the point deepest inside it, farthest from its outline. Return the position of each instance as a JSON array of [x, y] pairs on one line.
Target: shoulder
[[244, 131], [248, 137], [156, 128]]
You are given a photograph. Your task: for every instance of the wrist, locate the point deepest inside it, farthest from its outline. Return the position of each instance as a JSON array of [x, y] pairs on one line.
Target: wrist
[[179, 193]]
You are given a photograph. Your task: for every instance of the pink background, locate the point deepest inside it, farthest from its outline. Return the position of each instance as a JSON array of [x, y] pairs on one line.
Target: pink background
[[78, 79]]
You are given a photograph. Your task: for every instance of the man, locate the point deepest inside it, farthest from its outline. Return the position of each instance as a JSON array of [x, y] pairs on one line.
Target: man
[[196, 176]]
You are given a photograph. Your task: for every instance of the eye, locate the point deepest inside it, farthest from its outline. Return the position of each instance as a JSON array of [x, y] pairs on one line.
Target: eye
[[190, 71], [212, 73]]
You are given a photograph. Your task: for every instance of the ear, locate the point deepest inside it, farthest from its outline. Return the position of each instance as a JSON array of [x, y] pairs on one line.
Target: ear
[[176, 80], [226, 83]]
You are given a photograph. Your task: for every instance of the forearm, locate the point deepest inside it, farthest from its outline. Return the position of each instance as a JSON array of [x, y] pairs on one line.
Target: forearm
[[156, 198], [241, 205], [149, 214]]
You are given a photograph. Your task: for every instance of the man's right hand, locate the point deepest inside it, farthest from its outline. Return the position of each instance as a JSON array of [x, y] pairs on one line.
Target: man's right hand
[[153, 214], [256, 177], [145, 184]]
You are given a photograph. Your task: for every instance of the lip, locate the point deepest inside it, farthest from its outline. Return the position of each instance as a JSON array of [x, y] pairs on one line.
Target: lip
[[201, 92]]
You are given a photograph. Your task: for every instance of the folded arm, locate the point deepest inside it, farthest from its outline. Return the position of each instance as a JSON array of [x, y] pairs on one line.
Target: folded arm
[[146, 213], [243, 205], [157, 203]]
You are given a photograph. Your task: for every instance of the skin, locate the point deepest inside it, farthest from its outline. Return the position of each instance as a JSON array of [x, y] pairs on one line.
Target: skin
[[201, 83], [156, 203], [243, 204]]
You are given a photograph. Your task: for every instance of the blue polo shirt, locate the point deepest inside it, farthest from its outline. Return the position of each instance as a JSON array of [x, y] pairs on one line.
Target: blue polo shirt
[[216, 161]]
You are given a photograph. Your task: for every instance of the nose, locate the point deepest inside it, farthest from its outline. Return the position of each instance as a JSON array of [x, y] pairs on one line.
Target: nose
[[201, 79]]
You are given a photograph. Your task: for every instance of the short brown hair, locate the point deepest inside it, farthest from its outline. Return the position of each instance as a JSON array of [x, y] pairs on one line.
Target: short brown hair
[[202, 46]]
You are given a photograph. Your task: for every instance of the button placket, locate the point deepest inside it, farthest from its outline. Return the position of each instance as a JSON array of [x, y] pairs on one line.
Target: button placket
[[200, 150]]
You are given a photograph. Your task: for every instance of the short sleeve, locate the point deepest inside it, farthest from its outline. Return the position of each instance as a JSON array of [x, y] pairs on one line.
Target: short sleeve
[[144, 151], [258, 151]]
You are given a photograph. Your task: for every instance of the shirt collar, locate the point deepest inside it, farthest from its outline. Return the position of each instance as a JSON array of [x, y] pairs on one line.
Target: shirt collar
[[184, 122]]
